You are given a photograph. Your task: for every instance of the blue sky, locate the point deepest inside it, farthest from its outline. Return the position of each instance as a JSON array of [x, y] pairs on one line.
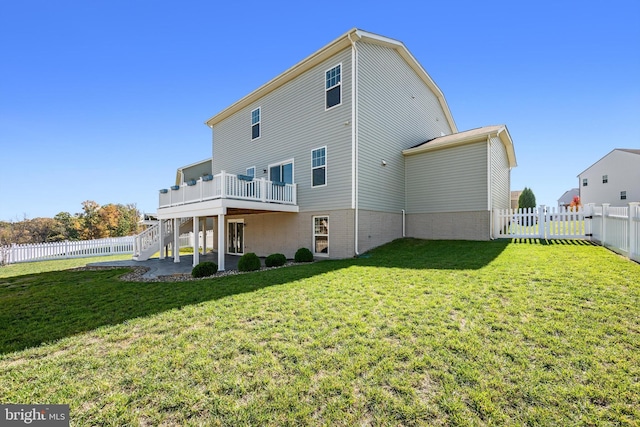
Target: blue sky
[[103, 100]]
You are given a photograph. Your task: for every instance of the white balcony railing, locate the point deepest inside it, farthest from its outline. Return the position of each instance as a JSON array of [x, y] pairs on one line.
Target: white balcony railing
[[228, 186]]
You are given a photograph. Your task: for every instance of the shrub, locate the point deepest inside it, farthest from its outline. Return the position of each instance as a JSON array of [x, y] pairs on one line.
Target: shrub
[[303, 255], [275, 260], [204, 269], [249, 262]]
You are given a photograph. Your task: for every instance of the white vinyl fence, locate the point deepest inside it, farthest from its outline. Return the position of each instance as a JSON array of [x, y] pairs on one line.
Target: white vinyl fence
[[540, 223], [616, 228], [67, 249], [186, 240]]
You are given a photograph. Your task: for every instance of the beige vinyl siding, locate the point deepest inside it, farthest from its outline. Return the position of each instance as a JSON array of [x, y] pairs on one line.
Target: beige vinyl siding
[[396, 111], [500, 175], [293, 122], [449, 180]]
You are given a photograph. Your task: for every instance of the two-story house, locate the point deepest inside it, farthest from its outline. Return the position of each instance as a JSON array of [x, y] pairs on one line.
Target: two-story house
[[350, 148], [614, 179]]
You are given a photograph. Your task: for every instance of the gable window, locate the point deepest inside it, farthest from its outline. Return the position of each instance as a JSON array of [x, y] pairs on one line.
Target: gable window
[[605, 179], [321, 235], [623, 195], [319, 167], [282, 172], [584, 182], [255, 124], [333, 86]]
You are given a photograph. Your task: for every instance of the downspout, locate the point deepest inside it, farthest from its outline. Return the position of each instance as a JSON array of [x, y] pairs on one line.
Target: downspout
[[354, 140], [489, 188], [404, 234]]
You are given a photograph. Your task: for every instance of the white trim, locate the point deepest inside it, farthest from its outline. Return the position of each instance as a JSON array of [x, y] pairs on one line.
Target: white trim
[[259, 123], [284, 162], [326, 175], [326, 89], [314, 235]]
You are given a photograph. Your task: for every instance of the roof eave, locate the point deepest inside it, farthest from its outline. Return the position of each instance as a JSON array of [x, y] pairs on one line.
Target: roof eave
[[502, 133]]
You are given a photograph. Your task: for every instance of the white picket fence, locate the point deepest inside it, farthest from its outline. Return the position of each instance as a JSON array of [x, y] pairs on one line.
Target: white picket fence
[[540, 223], [67, 249], [617, 228]]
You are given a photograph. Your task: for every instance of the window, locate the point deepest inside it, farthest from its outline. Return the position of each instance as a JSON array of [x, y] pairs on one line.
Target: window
[[332, 86], [282, 172], [319, 167], [623, 195], [605, 179], [321, 235], [584, 182], [255, 124], [251, 171]]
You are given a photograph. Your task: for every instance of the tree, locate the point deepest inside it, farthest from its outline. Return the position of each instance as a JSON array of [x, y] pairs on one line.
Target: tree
[[67, 227], [527, 199], [91, 224]]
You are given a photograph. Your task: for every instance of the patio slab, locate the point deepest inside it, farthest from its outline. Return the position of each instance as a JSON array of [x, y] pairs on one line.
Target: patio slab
[[166, 267]]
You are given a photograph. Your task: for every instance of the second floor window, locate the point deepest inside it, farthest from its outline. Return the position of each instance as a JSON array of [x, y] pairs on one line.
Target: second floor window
[[605, 179], [333, 86], [319, 167], [623, 195], [255, 124], [585, 182], [251, 171]]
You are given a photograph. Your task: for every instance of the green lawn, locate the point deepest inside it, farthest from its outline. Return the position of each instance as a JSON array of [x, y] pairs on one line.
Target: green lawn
[[416, 333]]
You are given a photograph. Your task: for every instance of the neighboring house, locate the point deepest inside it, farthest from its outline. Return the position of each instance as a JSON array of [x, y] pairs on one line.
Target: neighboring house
[[614, 179], [515, 198], [566, 199], [351, 148]]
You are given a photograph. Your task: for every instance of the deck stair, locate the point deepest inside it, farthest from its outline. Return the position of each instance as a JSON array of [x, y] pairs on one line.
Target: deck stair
[[148, 243]]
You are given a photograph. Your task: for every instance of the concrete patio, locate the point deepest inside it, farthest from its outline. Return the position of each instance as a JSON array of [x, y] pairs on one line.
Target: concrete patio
[[167, 267]]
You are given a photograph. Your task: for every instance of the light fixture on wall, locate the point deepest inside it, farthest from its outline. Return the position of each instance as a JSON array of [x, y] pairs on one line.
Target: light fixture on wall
[[264, 171], [384, 163]]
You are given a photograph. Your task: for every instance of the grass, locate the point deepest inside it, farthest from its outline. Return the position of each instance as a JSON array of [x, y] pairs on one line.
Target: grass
[[417, 333]]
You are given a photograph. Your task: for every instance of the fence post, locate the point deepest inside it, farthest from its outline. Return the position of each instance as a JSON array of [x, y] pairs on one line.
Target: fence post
[[542, 223], [633, 232], [605, 212]]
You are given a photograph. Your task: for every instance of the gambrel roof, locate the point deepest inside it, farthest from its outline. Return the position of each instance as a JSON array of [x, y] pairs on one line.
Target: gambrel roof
[[468, 137], [326, 52]]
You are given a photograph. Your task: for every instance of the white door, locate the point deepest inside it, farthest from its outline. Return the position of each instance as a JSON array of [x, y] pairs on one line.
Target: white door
[[235, 240]]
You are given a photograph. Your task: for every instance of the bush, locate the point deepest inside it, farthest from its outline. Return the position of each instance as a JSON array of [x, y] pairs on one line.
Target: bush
[[275, 260], [204, 269], [249, 262], [303, 255]]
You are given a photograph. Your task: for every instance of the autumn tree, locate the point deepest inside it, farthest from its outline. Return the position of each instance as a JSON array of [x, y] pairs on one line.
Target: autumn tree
[[91, 225], [575, 203]]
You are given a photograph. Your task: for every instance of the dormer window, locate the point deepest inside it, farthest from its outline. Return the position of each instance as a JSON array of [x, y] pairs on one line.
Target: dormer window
[[255, 124], [333, 95]]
